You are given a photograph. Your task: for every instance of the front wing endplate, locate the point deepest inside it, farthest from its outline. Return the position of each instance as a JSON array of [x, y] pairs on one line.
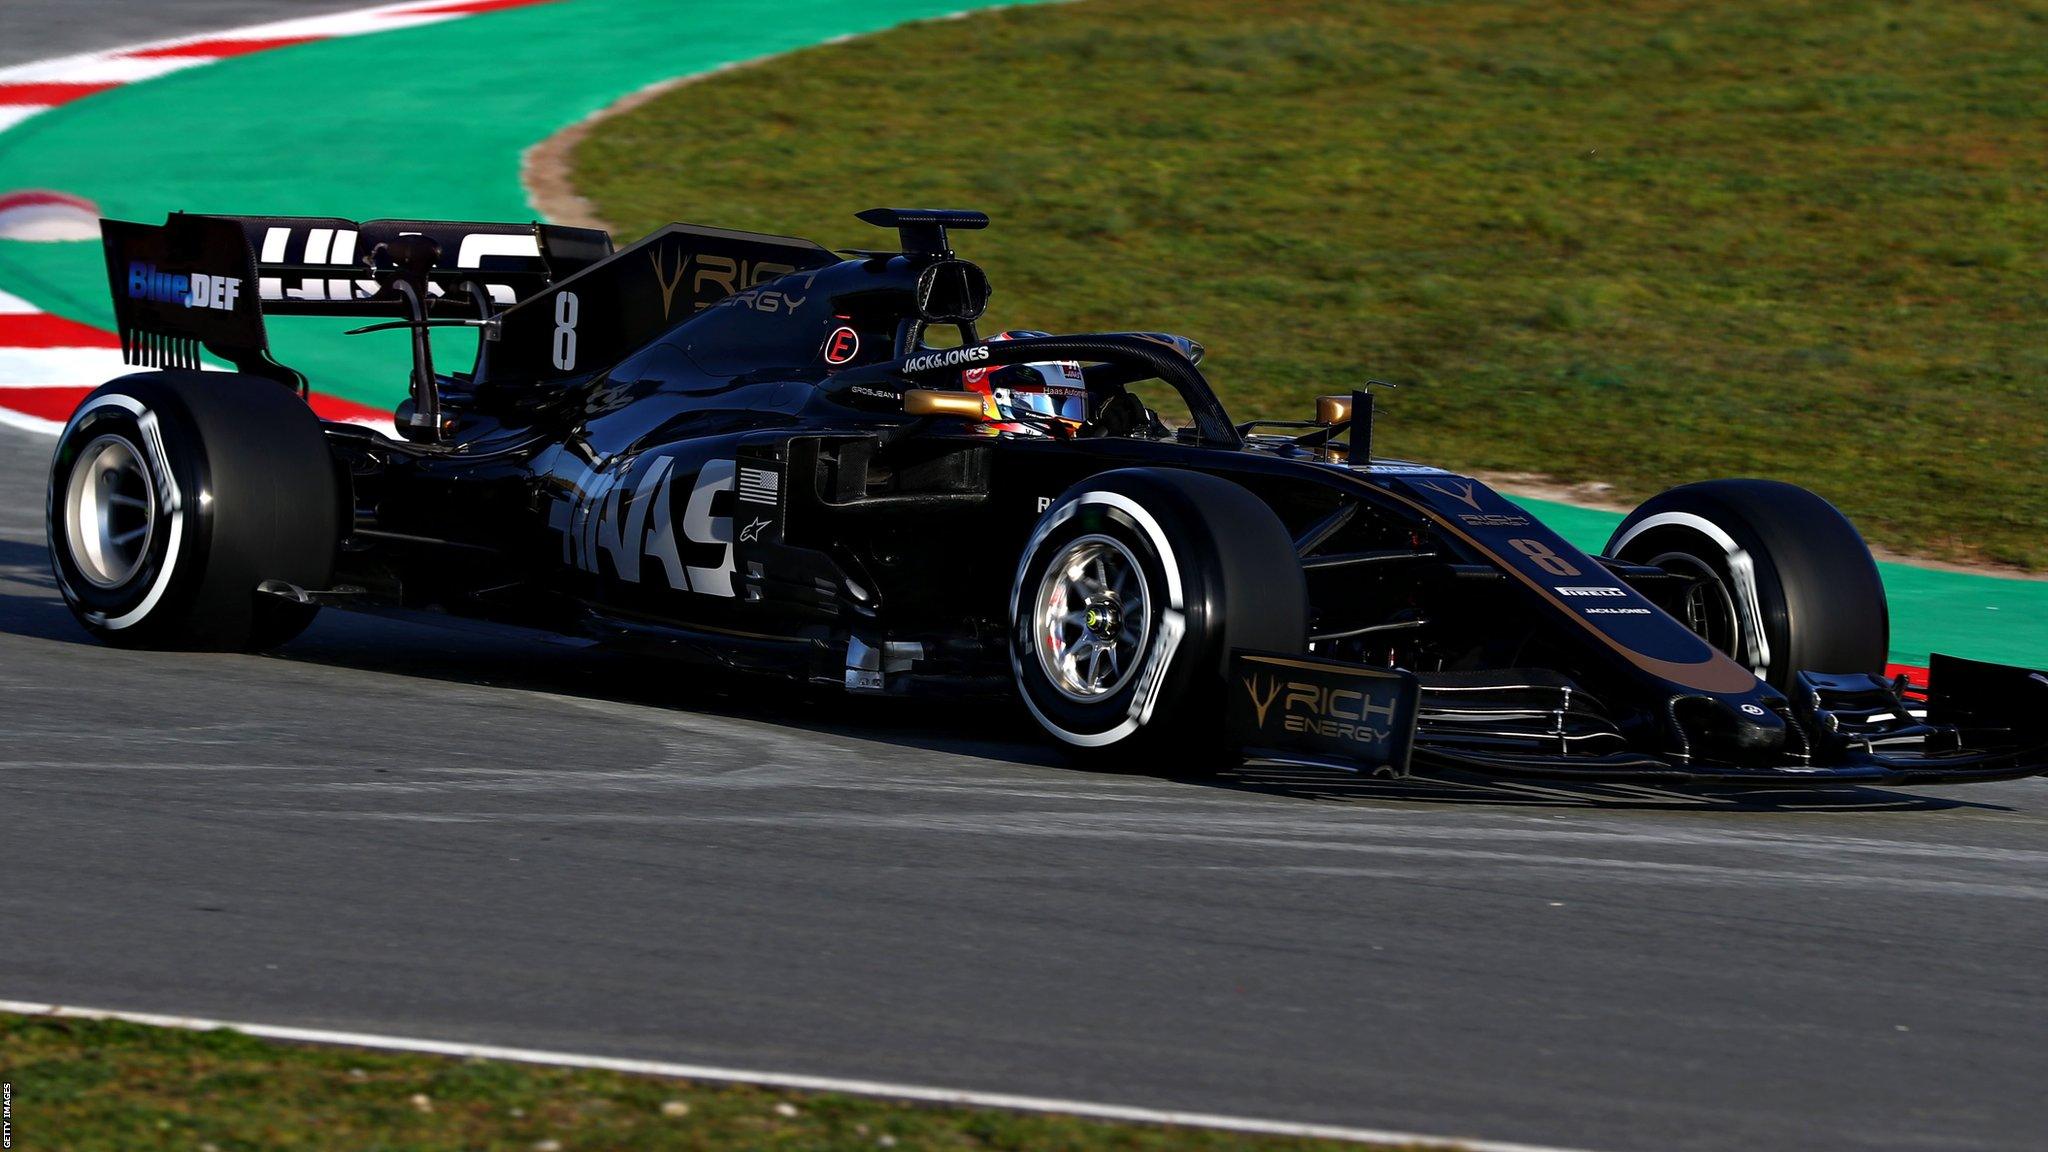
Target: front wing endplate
[[1300, 708]]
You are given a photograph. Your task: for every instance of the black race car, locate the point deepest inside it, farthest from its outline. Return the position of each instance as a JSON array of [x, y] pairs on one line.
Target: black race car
[[748, 451]]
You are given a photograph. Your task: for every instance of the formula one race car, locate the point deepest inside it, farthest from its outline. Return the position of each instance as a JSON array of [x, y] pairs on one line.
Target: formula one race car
[[746, 451]]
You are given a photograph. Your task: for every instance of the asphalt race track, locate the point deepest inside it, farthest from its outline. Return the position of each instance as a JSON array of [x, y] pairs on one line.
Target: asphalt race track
[[479, 836], [412, 830], [39, 29]]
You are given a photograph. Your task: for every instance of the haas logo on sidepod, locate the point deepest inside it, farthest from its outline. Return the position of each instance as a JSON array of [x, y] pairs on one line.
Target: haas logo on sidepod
[[630, 524]]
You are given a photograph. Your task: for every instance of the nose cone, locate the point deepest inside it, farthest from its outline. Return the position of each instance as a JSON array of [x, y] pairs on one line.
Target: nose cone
[[1731, 731]]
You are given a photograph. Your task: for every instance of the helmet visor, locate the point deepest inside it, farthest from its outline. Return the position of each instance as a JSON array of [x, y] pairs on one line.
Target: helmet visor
[[1065, 404], [1044, 390]]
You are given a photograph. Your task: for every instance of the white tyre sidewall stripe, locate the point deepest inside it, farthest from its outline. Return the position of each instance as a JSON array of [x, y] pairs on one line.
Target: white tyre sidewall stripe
[[1173, 619], [169, 498], [1741, 569]]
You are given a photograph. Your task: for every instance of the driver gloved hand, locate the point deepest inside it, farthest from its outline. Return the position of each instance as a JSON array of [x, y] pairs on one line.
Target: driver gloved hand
[[1120, 415]]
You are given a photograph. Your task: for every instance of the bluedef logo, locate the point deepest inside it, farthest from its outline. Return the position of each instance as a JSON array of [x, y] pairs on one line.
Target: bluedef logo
[[188, 289]]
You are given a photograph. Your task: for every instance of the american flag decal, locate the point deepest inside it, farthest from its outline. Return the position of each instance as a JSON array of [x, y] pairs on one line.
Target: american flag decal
[[759, 485]]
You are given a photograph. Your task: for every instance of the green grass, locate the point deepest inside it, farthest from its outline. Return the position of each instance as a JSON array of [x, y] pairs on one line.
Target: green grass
[[109, 1086], [1641, 242]]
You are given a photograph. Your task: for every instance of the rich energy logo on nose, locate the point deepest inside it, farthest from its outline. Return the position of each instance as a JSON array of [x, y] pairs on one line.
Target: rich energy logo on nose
[[191, 289]]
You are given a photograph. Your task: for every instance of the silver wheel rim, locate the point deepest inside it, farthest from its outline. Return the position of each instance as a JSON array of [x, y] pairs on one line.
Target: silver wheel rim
[[1092, 619], [1709, 608], [110, 512]]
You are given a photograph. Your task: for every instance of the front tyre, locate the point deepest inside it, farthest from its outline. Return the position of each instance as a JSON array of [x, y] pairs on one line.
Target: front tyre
[[174, 494], [1128, 599], [1782, 582]]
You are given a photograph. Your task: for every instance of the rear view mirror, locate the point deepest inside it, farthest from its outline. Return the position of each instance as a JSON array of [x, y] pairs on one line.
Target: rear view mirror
[[952, 291]]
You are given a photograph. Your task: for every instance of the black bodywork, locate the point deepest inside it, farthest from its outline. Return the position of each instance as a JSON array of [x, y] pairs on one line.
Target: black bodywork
[[680, 445]]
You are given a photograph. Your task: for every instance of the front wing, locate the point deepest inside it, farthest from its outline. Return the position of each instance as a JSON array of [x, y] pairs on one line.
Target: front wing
[[1974, 722]]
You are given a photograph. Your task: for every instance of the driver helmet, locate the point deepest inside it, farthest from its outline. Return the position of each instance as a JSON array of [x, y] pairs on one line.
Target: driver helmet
[[1046, 398]]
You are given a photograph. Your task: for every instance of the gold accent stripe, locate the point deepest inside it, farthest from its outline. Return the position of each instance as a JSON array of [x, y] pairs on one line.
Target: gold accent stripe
[[1717, 673]]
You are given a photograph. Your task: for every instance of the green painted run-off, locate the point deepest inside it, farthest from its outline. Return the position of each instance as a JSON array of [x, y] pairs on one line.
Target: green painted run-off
[[432, 121]]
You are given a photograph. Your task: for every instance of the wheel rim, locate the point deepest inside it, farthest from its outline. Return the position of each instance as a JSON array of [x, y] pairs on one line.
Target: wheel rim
[[110, 509], [1092, 620], [1709, 608]]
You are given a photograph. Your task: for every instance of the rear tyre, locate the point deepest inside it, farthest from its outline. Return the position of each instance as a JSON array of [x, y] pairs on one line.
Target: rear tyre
[[174, 494], [1783, 581], [1128, 599]]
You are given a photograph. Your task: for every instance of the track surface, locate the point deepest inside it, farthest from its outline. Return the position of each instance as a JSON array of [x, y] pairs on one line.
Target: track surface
[[490, 839], [39, 29]]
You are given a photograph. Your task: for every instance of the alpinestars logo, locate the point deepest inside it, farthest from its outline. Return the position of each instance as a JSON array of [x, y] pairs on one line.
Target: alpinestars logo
[[192, 289], [950, 358]]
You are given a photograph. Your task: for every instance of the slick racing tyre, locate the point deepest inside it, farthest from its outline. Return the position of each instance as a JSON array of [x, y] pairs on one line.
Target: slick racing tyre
[[1128, 599], [174, 494], [1783, 582]]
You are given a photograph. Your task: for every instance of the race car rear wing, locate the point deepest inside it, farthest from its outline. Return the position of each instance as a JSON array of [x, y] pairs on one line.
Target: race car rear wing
[[207, 281], [326, 266], [554, 303]]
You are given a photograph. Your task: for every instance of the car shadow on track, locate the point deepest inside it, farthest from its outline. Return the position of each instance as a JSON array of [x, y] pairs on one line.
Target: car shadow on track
[[1461, 788], [450, 650], [25, 559], [29, 604], [487, 655], [998, 730]]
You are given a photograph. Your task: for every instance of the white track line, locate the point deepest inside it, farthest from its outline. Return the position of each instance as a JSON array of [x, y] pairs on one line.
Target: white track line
[[100, 68], [60, 367], [121, 66], [920, 1093], [31, 424]]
